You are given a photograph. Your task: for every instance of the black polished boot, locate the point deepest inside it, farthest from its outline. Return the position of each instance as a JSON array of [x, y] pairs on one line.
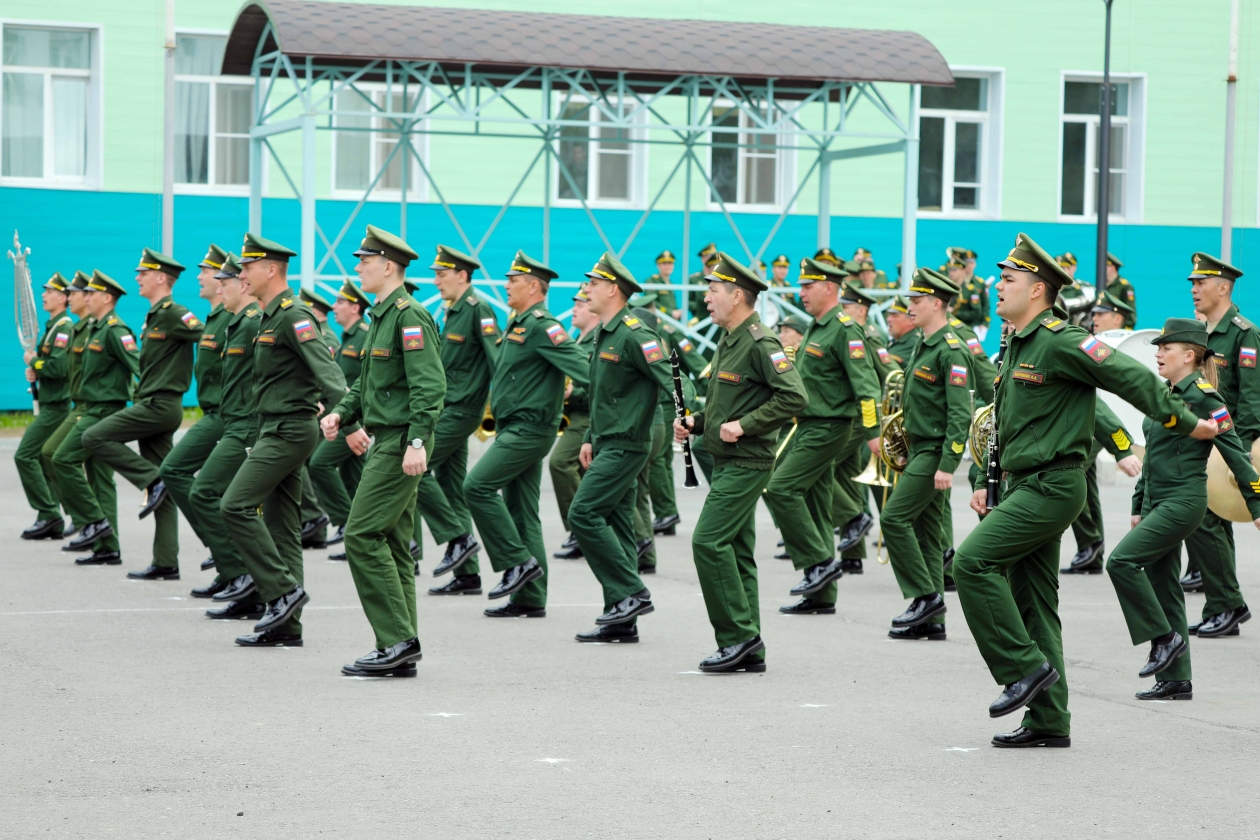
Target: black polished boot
[[457, 551], [854, 530], [46, 529], [1018, 694], [459, 585], [919, 632], [569, 549], [665, 526], [515, 579], [922, 610], [611, 634]]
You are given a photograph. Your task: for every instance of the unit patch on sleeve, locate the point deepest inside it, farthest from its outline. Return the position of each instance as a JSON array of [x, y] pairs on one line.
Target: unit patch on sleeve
[[128, 343], [974, 345], [190, 320], [305, 330], [1095, 349], [857, 349], [781, 362], [684, 345], [1247, 357], [958, 375], [883, 355], [413, 338], [1223, 421], [557, 334], [61, 340], [489, 327], [652, 351]]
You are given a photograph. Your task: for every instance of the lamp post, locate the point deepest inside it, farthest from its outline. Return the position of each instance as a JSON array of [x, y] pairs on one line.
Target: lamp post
[[1104, 159]]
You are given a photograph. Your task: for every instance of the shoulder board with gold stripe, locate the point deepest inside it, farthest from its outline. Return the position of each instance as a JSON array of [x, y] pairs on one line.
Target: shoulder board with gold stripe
[[111, 321], [166, 305], [1053, 324], [1205, 386], [632, 322], [845, 319], [538, 313], [286, 303], [952, 341], [403, 302]]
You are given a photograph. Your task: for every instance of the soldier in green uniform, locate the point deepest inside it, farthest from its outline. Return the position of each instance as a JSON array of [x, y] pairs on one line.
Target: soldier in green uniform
[[755, 389], [904, 336], [628, 371], [76, 294], [165, 373], [973, 299], [564, 464], [469, 349], [294, 379], [235, 588], [1169, 501], [695, 300], [398, 396], [1073, 297], [179, 468], [1120, 288], [936, 411], [315, 520], [48, 369], [1235, 342], [110, 362], [828, 256], [1044, 406], [335, 467], [843, 394], [663, 299], [661, 468], [536, 353]]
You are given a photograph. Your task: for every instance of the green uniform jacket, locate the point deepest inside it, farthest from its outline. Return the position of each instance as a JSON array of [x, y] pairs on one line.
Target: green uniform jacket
[[1046, 398], [973, 303], [754, 382], [1123, 289], [1110, 433], [350, 353], [166, 348], [1176, 465], [1236, 342], [470, 350], [535, 355], [901, 348], [79, 335], [402, 383], [111, 362], [936, 405], [628, 372], [696, 303], [329, 335], [877, 351], [985, 370], [209, 366], [52, 360], [579, 400], [834, 369], [237, 357], [293, 368], [689, 362], [663, 299]]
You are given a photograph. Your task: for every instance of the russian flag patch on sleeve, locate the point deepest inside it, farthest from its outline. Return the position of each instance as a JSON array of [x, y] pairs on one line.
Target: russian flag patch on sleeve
[[1095, 349], [652, 351], [489, 327], [781, 362], [1223, 421], [557, 334], [1247, 357], [304, 330], [857, 349], [977, 349], [958, 375], [413, 338], [128, 343], [61, 340]]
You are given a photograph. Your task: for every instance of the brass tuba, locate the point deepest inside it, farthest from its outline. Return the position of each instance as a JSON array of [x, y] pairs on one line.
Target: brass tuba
[[980, 433], [1223, 496]]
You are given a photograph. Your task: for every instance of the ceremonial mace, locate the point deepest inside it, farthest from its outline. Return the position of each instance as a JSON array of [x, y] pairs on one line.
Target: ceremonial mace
[[24, 307]]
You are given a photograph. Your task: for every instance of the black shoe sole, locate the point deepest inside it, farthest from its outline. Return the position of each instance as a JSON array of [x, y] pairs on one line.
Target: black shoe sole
[[568, 555], [1176, 654], [647, 570], [411, 659], [293, 643], [815, 611], [538, 614], [301, 602], [1046, 681], [398, 673], [644, 610], [1048, 741], [438, 591], [199, 594], [1231, 629], [48, 536], [750, 668], [1069, 570], [235, 596], [321, 544], [240, 617], [624, 640], [671, 531], [207, 565], [520, 584], [172, 576], [734, 665], [927, 619], [117, 562], [1185, 695], [930, 637], [819, 585]]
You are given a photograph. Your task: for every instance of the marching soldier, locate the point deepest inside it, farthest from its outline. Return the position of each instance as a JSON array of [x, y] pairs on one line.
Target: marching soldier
[[564, 466], [179, 468], [80, 330], [708, 256], [842, 397], [165, 372], [335, 468], [663, 299], [1005, 569], [398, 395], [1073, 295], [904, 336], [973, 299], [1234, 341], [628, 371], [661, 468], [48, 369], [294, 376], [315, 520], [779, 268], [526, 399], [469, 350], [755, 389], [1120, 288], [1170, 498], [791, 331], [110, 362]]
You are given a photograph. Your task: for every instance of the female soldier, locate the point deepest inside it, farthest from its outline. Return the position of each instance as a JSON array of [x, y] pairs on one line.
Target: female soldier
[[1168, 503]]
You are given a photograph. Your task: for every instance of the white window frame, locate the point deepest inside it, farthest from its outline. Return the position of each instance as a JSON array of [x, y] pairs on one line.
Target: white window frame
[[784, 172], [991, 141], [1134, 184], [94, 164], [212, 188], [418, 190], [638, 159]]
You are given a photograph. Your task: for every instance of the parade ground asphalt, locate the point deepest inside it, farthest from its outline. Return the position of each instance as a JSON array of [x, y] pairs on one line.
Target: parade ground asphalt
[[126, 713]]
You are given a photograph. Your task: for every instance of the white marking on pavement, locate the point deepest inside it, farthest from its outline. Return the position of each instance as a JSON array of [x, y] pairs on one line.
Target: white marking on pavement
[[961, 749], [445, 714], [813, 705], [690, 672], [551, 760]]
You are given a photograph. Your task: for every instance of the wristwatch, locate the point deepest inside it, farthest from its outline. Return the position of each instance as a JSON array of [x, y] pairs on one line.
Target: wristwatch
[[417, 444]]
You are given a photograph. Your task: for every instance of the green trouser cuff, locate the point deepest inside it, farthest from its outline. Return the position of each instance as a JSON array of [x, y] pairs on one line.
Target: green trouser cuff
[[37, 479], [912, 523], [603, 521], [723, 547], [661, 481], [643, 495], [565, 469]]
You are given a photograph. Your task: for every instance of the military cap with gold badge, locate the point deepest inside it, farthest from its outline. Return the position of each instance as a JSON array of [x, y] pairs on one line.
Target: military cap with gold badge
[[792, 322], [708, 252], [80, 281], [151, 260], [524, 264], [57, 283], [666, 256], [827, 255], [257, 248], [1067, 259], [728, 270], [382, 243], [813, 271], [214, 258], [1113, 260], [854, 292], [102, 282], [582, 295], [610, 268], [960, 255], [1028, 256], [314, 299], [927, 281], [448, 257], [899, 304], [351, 292], [780, 261], [231, 267], [1206, 265], [1107, 302]]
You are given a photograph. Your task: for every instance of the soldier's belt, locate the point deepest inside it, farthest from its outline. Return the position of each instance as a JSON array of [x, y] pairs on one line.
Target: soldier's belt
[[1066, 462]]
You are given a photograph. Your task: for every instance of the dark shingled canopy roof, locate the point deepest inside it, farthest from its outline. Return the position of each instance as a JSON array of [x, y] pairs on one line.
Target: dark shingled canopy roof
[[353, 34]]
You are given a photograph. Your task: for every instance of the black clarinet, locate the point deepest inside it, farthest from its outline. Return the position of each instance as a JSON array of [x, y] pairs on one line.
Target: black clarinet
[[993, 472], [680, 411]]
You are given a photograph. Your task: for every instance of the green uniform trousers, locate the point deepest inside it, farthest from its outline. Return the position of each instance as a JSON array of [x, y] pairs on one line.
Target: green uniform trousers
[[566, 472], [1145, 567], [179, 471], [508, 524], [913, 524], [440, 497], [661, 478], [1088, 527], [1211, 550], [261, 507], [151, 422], [849, 497], [378, 538], [206, 495], [603, 521], [786, 437], [49, 449], [1007, 572], [643, 496], [37, 480], [800, 494], [723, 546], [95, 498], [334, 471], [308, 503], [702, 458]]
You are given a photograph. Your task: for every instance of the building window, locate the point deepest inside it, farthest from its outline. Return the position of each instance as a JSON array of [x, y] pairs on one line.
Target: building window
[[954, 146], [361, 152], [1082, 108], [746, 168], [45, 104], [602, 160], [212, 115]]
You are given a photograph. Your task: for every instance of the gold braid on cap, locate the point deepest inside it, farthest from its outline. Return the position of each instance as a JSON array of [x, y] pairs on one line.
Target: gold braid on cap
[[152, 266], [209, 262], [258, 254], [927, 290], [522, 268], [604, 274], [1027, 266], [812, 276], [723, 277], [443, 264]]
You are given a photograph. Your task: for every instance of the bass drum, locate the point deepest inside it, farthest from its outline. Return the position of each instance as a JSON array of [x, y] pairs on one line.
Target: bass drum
[[768, 310], [1136, 344], [1224, 497]]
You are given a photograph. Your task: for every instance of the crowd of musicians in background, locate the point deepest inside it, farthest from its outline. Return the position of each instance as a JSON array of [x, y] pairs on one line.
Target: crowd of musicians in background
[[849, 393]]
